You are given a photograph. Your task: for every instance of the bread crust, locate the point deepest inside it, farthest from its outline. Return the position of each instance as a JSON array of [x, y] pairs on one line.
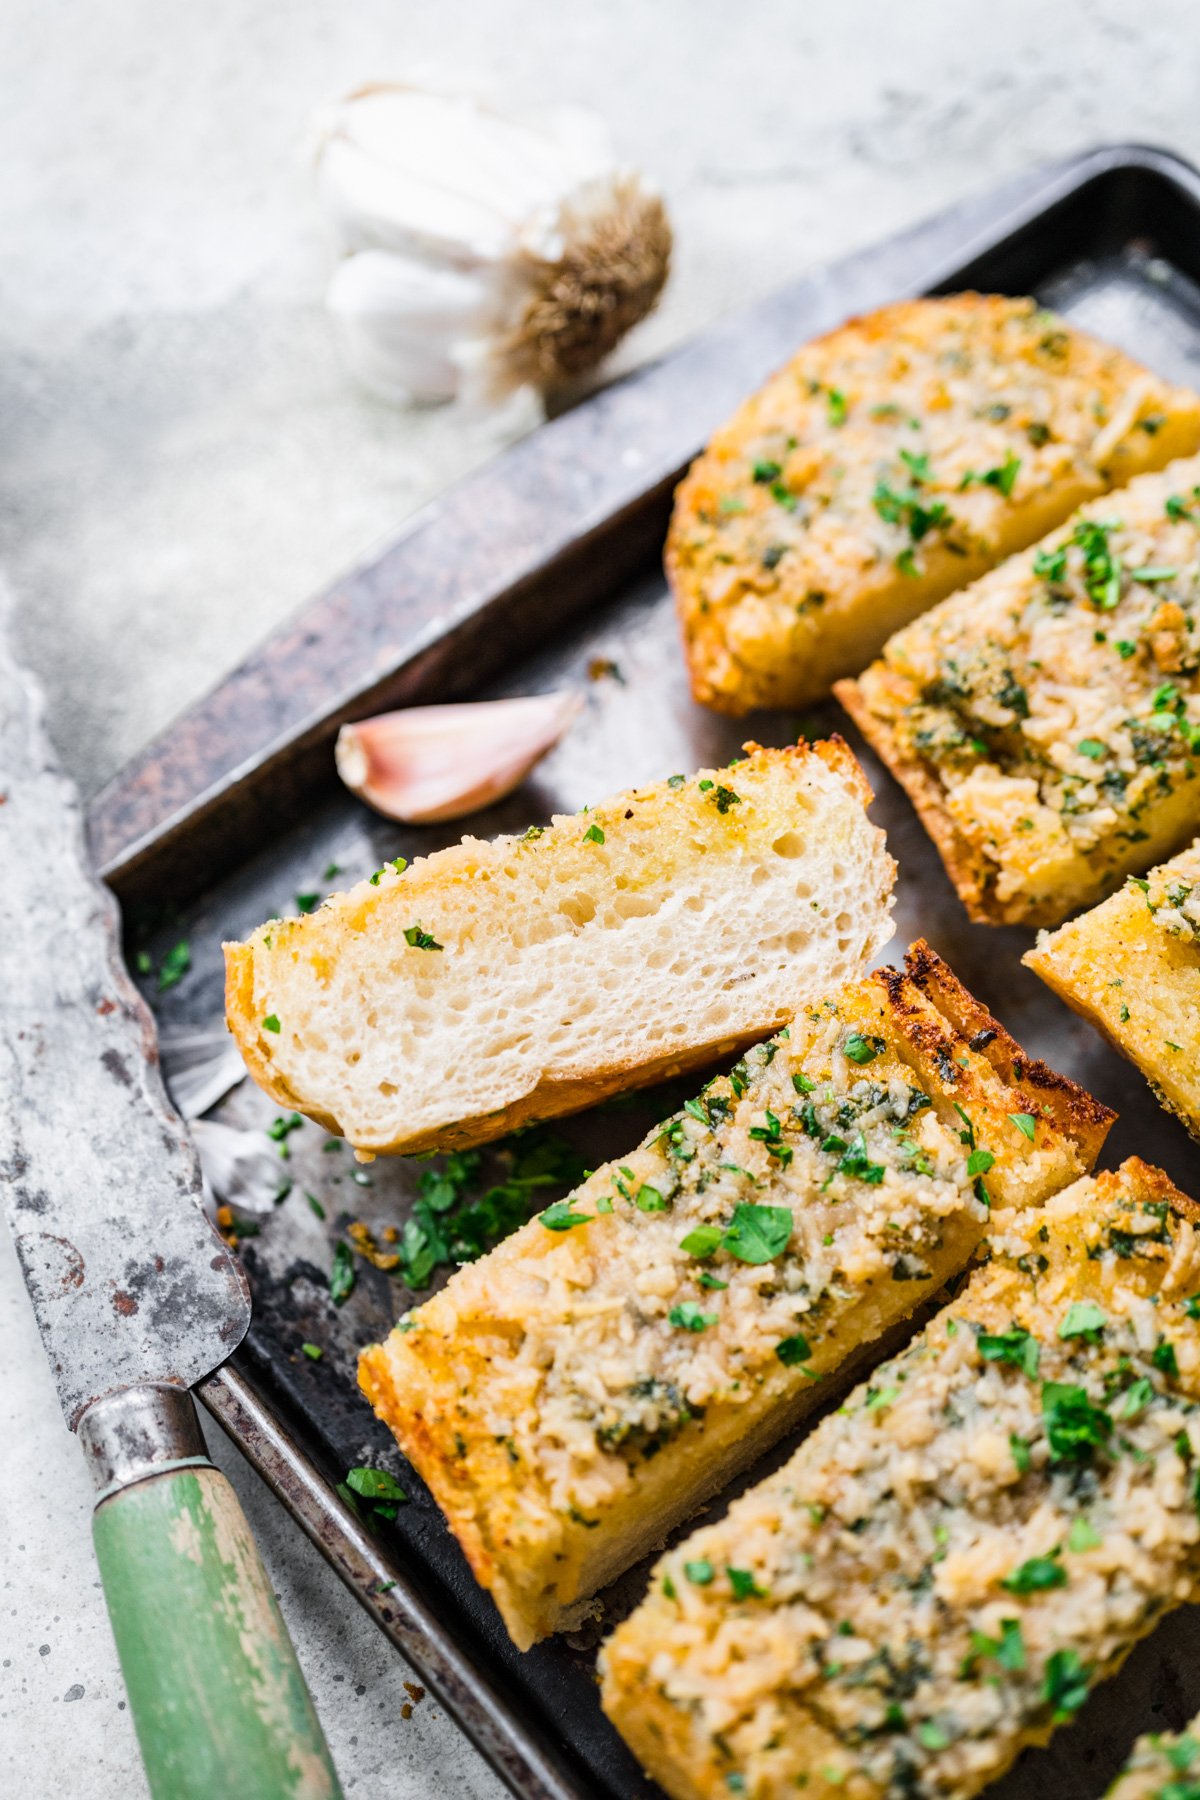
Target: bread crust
[[466, 1359], [690, 1657], [332, 934], [787, 574]]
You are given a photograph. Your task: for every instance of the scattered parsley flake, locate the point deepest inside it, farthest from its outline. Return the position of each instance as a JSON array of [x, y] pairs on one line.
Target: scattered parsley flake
[[419, 939], [560, 1217], [270, 1023]]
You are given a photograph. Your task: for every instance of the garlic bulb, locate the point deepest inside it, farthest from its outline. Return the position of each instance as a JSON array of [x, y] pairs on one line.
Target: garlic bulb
[[442, 762], [481, 252]]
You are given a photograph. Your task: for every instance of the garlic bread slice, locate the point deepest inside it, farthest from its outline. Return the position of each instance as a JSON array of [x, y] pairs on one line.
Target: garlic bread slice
[[887, 464], [591, 1382], [946, 1567], [1046, 721], [1131, 966], [446, 1002]]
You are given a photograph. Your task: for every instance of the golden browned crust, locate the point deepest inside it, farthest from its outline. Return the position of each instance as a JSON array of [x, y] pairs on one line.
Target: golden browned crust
[[925, 792], [1074, 1112]]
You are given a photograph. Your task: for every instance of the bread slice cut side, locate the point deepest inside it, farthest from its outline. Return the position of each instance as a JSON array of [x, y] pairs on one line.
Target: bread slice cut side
[[572, 1396], [1131, 967], [1044, 720], [492, 984], [889, 463], [946, 1566]]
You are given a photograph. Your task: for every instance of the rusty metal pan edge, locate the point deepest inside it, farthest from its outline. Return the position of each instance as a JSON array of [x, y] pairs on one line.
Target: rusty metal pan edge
[[532, 1768]]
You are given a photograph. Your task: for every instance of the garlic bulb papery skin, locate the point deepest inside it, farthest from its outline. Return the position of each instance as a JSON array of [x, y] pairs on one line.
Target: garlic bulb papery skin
[[429, 763], [481, 252]]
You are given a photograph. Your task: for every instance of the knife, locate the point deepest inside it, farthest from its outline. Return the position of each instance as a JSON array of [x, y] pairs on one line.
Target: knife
[[136, 1298]]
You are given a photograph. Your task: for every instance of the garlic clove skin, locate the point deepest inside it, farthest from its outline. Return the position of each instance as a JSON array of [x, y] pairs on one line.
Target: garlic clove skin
[[558, 251], [199, 1068], [431, 763], [398, 322]]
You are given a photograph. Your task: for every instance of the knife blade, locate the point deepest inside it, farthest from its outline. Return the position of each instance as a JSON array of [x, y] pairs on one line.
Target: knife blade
[[137, 1297]]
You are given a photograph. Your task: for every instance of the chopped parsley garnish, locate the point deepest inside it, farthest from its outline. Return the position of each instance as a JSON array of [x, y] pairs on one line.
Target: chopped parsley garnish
[[560, 1217], [1074, 1427], [271, 1022], [650, 1200], [687, 1316], [1082, 1536], [381, 1489], [1092, 747], [905, 506], [1150, 576], [1036, 1575], [744, 1585], [700, 1571], [855, 1161], [860, 1049], [793, 1350], [457, 1217], [1002, 479], [1025, 1124], [767, 471], [341, 1276], [1065, 1684], [771, 1135], [315, 1205], [174, 965], [593, 835], [757, 1234], [725, 798], [420, 939], [1017, 1346], [1083, 1319], [1008, 1649], [307, 903], [1164, 1358], [703, 1241], [802, 1084], [836, 407], [1022, 1458], [313, 1352]]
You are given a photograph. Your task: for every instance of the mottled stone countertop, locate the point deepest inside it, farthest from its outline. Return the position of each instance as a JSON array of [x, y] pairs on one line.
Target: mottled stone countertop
[[182, 462]]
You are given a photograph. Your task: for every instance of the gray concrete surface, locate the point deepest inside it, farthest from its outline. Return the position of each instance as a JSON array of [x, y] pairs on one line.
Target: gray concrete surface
[[182, 462]]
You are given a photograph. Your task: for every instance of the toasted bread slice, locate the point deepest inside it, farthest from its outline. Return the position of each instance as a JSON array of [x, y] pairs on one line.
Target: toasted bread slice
[[496, 983], [1045, 720], [1162, 1766], [890, 462], [1132, 967], [572, 1396], [943, 1569]]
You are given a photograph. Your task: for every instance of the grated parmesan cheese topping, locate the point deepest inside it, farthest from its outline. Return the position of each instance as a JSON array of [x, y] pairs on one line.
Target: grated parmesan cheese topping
[[922, 437], [1162, 1766], [950, 1561], [1057, 699], [754, 1237]]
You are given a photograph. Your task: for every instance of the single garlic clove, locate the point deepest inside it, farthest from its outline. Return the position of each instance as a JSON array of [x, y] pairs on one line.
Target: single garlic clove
[[428, 763]]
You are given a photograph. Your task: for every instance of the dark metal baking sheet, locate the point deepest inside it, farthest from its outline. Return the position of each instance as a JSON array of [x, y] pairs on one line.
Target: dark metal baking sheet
[[535, 571]]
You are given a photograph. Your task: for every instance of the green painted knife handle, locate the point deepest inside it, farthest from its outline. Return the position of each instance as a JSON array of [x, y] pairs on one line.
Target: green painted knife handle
[[218, 1700]]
